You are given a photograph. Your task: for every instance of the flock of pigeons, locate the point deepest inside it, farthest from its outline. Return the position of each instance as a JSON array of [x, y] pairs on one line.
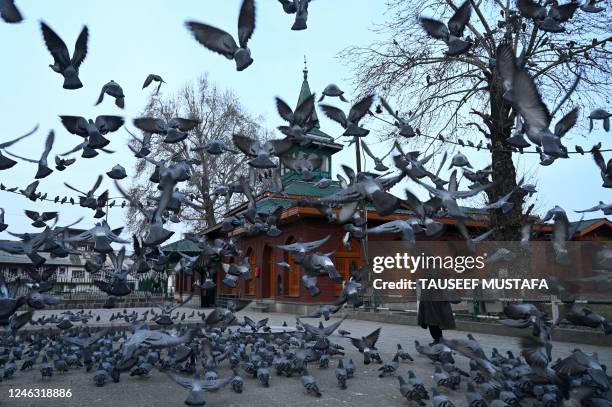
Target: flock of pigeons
[[198, 354]]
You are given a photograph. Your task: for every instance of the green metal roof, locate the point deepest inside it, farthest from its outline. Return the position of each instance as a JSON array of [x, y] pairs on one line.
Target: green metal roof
[[269, 205], [583, 224], [184, 245], [309, 189]]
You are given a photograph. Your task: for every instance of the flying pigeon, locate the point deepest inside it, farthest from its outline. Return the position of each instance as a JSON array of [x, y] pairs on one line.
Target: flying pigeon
[[600, 114], [452, 32], [331, 91], [113, 89], [223, 43], [548, 21], [93, 131], [43, 168], [62, 63], [5, 162], [259, 152], [175, 130], [153, 78], [351, 122], [9, 12], [39, 219], [61, 163], [117, 172]]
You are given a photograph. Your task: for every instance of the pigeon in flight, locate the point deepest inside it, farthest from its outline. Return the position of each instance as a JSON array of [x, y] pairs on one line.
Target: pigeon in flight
[[300, 248], [259, 152], [39, 219], [117, 172], [62, 63], [300, 121], [378, 162], [590, 6], [223, 43], [548, 21], [145, 144], [3, 225], [601, 206], [303, 165], [153, 78], [368, 187], [460, 160], [452, 32], [30, 191], [214, 147], [5, 162], [94, 131], [102, 235], [405, 129], [43, 168], [528, 103], [175, 130], [351, 123], [333, 91], [61, 164], [112, 89], [600, 114], [87, 199], [199, 386], [300, 9], [9, 12], [604, 168]]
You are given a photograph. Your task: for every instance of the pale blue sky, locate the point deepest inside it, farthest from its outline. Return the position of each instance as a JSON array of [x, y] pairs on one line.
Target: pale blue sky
[[130, 39]]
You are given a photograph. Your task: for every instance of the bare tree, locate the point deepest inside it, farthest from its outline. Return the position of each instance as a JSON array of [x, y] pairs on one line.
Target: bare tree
[[221, 115], [462, 95]]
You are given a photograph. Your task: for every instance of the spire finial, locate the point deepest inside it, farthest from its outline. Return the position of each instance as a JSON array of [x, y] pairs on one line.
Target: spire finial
[[305, 69]]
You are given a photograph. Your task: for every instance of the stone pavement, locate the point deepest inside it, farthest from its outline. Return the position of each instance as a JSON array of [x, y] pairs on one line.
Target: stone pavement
[[366, 389]]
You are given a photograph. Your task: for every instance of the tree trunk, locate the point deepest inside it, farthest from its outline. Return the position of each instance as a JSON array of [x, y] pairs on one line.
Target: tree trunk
[[508, 226]]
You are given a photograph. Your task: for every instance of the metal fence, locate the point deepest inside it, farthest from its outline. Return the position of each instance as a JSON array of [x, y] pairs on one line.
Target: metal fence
[[80, 285]]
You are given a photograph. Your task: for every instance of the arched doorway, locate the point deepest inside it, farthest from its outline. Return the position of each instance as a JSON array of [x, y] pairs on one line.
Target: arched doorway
[[268, 275], [291, 279], [343, 260], [249, 286]]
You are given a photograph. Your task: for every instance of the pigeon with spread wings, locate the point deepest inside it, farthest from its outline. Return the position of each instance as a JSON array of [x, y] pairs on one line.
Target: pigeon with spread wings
[[350, 123], [452, 32], [93, 131], [300, 248], [43, 167], [62, 63], [259, 152], [5, 162], [223, 43], [174, 130]]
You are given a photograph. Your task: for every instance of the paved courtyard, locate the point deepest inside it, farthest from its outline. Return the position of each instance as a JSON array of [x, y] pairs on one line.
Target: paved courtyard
[[366, 389]]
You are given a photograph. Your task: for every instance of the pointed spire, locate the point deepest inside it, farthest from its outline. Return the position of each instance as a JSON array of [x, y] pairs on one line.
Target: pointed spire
[[305, 91]]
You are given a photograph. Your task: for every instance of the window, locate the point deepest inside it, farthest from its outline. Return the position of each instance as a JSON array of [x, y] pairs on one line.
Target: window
[[325, 164], [78, 274]]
